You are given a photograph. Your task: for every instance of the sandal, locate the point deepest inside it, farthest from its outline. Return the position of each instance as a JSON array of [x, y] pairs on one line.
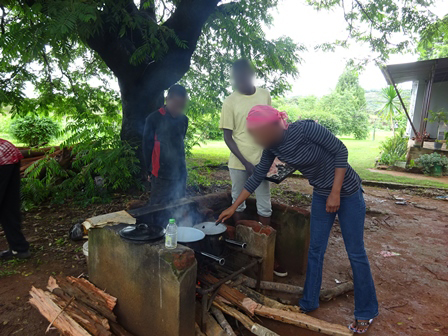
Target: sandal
[[361, 324]]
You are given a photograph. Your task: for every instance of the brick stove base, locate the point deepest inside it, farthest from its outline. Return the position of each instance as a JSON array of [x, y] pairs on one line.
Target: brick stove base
[[155, 287]]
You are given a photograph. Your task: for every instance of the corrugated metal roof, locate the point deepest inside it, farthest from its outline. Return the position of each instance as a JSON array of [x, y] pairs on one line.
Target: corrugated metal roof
[[417, 70]]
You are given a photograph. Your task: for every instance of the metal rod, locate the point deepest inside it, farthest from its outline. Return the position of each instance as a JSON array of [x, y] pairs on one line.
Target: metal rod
[[231, 276], [401, 100], [219, 260], [236, 243]]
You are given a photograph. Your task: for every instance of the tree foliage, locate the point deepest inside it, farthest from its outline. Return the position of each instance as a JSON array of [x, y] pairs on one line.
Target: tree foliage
[[69, 52], [391, 107], [348, 102], [387, 26]]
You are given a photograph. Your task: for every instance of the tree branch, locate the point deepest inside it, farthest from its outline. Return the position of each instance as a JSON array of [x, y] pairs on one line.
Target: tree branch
[[230, 8], [186, 22], [2, 23], [150, 9]]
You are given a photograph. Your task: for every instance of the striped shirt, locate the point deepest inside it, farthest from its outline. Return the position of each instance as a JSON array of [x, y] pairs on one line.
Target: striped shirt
[[315, 152]]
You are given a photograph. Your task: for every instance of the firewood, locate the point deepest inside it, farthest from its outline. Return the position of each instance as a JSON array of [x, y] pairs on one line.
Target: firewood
[[222, 321], [88, 318], [325, 294], [118, 330], [87, 293], [331, 293], [198, 330], [233, 295], [212, 328], [50, 310], [250, 325], [274, 286], [264, 300], [303, 321]]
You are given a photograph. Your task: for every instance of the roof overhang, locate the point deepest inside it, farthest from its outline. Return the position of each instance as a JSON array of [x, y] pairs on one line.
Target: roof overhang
[[420, 70]]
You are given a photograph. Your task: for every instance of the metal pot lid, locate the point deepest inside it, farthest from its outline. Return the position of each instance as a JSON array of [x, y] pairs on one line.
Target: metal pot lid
[[142, 232], [189, 234], [210, 228]]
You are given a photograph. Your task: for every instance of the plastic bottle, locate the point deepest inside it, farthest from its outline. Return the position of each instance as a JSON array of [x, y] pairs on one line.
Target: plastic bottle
[[171, 234]]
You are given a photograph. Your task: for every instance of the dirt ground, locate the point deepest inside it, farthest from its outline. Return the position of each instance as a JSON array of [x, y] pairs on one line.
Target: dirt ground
[[412, 287]]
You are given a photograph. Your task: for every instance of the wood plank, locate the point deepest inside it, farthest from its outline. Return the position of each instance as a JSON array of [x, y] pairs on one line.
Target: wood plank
[[303, 321], [254, 328]]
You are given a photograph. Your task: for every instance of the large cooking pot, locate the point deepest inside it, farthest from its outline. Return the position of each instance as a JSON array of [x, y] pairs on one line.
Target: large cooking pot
[[215, 238], [193, 238], [214, 241]]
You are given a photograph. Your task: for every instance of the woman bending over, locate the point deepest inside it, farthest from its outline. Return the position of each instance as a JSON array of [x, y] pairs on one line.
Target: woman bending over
[[322, 159]]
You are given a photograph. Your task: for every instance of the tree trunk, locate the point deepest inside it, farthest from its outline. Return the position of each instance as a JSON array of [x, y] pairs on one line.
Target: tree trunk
[[138, 101]]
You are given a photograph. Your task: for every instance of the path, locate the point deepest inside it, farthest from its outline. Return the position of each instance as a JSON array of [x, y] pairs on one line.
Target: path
[[443, 179]]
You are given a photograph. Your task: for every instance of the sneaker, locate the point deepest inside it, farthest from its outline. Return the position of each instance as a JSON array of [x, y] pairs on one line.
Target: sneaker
[[8, 254], [280, 271]]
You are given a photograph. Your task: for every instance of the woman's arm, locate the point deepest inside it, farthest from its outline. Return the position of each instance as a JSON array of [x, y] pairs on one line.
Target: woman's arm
[[252, 183], [334, 199], [226, 214], [323, 137]]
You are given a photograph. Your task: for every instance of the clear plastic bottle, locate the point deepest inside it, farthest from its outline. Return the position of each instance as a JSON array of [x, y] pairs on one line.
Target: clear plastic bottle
[[171, 234]]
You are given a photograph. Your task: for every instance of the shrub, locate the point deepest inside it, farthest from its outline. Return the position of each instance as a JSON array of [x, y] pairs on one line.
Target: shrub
[[393, 149], [328, 120], [428, 162], [33, 130], [98, 151]]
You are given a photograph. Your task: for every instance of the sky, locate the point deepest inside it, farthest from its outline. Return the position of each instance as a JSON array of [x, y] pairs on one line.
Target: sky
[[320, 70]]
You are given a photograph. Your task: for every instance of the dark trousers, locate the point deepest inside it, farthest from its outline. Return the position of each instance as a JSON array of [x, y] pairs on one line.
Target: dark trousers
[[10, 217], [164, 191]]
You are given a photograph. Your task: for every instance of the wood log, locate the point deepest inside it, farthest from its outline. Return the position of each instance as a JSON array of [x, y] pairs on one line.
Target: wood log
[[325, 294], [274, 286], [118, 330], [250, 325], [198, 330], [303, 321], [212, 327], [222, 321], [53, 313], [331, 293], [88, 318], [85, 292], [233, 295], [30, 153], [266, 301]]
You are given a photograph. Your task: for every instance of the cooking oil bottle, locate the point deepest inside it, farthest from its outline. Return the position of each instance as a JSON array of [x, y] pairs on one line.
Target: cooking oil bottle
[[171, 234]]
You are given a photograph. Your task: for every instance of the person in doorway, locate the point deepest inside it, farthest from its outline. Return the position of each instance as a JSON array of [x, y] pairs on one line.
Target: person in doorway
[[10, 216], [322, 159], [244, 152], [164, 149]]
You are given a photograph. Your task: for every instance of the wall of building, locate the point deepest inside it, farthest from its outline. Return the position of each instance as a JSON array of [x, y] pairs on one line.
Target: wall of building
[[439, 100]]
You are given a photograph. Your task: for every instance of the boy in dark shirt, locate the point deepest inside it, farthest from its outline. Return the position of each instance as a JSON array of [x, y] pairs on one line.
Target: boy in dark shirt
[[164, 149]]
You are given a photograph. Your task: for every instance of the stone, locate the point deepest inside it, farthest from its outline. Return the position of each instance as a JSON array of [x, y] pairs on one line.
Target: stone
[[155, 287]]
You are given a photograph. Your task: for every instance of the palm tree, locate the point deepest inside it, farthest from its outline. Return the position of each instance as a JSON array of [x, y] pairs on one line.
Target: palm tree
[[391, 106]]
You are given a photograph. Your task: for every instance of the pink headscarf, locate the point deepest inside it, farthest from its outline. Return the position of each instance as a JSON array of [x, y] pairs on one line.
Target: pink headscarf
[[261, 115]]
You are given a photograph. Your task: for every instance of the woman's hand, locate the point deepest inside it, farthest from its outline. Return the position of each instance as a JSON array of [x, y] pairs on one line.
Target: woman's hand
[[226, 214], [333, 202]]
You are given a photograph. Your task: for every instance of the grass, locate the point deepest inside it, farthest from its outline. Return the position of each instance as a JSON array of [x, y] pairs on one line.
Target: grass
[[362, 156]]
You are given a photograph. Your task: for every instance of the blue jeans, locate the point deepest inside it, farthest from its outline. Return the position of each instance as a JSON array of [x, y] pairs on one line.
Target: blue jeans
[[351, 216]]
